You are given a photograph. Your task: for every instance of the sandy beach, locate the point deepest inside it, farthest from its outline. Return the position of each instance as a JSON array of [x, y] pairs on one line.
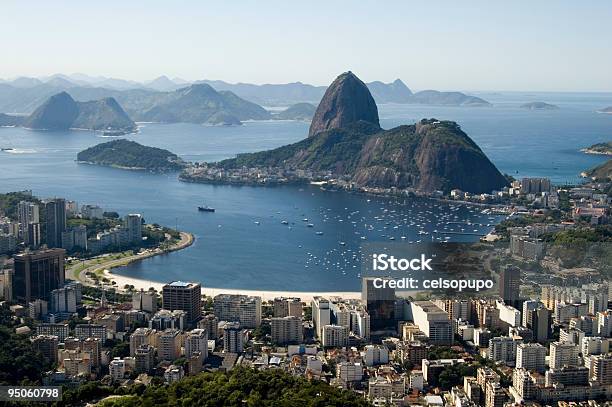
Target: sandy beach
[[121, 281], [80, 274]]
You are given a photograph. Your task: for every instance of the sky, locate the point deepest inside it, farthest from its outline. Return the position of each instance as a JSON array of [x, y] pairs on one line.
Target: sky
[[546, 45]]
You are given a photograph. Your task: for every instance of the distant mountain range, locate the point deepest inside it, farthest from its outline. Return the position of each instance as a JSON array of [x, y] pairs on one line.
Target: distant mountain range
[[23, 95], [346, 140]]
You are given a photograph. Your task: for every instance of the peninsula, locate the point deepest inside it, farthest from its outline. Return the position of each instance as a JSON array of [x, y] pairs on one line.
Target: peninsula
[[602, 172], [347, 148], [599, 148]]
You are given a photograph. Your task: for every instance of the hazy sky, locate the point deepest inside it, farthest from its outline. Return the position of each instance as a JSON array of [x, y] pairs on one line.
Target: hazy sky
[[460, 45]]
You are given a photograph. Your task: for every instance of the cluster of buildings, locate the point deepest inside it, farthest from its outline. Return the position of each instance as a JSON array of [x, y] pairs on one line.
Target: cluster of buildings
[[551, 346], [44, 222], [382, 346]]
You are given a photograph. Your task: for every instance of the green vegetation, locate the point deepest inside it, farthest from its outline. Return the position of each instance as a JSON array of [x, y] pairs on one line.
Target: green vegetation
[[453, 375], [599, 148], [10, 200], [442, 352], [602, 172], [94, 226], [20, 363], [600, 233], [403, 157], [129, 154], [239, 387]]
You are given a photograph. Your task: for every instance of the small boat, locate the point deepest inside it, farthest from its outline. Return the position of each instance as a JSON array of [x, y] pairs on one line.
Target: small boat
[[284, 222], [205, 209], [319, 233], [310, 225], [257, 222]]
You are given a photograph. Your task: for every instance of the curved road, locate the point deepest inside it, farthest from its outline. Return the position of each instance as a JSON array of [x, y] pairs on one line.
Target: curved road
[[78, 273]]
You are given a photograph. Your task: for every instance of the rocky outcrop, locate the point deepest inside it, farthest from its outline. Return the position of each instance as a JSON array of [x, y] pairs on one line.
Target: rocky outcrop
[[429, 156], [57, 113], [61, 112], [103, 114], [603, 172], [346, 140], [346, 101]]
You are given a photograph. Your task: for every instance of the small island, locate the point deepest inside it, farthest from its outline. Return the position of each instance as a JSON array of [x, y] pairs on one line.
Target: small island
[[126, 154], [539, 106], [599, 148], [606, 110]]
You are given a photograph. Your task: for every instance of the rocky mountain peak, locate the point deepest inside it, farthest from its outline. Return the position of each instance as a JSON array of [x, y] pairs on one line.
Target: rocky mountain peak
[[347, 100]]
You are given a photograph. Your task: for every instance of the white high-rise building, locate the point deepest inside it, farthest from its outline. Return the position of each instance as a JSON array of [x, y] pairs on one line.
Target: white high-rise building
[[321, 314], [502, 349], [27, 212], [433, 321], [238, 308], [133, 224], [335, 336], [531, 356], [594, 345], [286, 330], [604, 323], [116, 369], [169, 345], [64, 300], [508, 314], [145, 301], [376, 355], [196, 341], [563, 354], [284, 307]]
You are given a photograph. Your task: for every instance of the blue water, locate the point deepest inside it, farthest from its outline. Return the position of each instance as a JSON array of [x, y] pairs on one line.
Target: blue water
[[232, 251]]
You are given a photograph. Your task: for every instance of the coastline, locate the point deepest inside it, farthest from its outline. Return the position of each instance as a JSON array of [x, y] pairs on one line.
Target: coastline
[[595, 152], [187, 239], [265, 295], [79, 270]]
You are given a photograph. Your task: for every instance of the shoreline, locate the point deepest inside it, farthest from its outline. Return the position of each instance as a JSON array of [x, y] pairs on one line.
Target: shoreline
[[265, 295], [77, 273], [595, 152], [187, 239]]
